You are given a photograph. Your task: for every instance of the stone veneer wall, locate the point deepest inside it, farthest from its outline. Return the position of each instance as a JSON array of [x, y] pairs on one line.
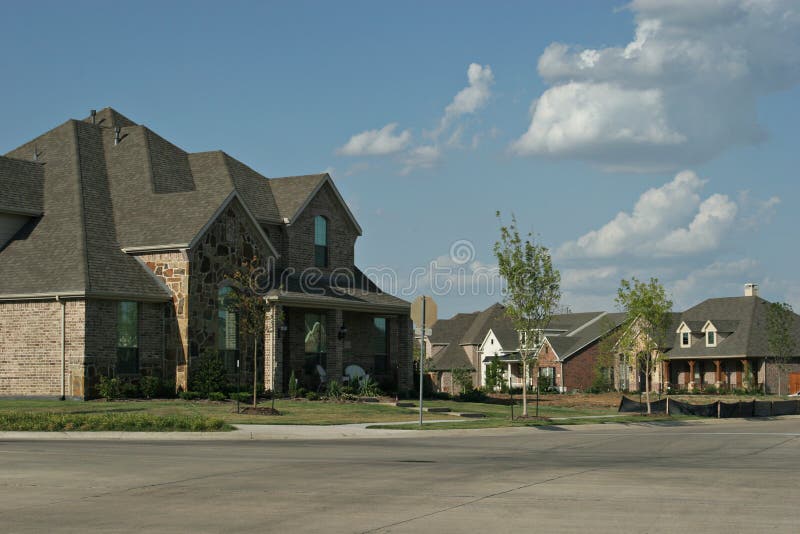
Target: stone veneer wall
[[231, 239], [30, 348], [172, 268]]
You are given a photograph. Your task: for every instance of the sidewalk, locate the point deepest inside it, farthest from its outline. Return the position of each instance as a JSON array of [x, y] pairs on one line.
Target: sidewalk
[[242, 433]]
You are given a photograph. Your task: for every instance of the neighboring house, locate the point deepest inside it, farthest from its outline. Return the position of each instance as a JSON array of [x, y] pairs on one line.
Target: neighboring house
[[567, 358], [114, 250], [720, 342]]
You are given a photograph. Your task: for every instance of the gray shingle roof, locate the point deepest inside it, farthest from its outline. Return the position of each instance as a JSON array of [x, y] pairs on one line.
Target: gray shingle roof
[[100, 198], [291, 192], [573, 332], [743, 319], [21, 186]]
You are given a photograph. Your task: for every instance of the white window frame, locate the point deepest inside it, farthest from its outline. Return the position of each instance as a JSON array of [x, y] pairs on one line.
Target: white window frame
[[714, 335], [688, 337]]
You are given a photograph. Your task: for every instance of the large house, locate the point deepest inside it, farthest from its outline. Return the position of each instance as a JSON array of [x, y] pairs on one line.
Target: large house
[[723, 342], [567, 359], [116, 249]]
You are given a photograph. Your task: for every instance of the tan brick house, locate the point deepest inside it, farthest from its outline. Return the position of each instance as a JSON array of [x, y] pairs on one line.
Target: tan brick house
[[114, 250]]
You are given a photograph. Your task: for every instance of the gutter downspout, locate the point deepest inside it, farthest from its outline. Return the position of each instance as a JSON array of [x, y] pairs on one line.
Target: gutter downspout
[[63, 347]]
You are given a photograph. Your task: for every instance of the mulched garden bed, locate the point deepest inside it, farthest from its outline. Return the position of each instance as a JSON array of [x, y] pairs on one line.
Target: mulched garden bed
[[261, 410]]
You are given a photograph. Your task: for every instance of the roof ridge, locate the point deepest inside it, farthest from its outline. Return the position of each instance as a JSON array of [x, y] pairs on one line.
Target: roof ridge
[[84, 249], [584, 325]]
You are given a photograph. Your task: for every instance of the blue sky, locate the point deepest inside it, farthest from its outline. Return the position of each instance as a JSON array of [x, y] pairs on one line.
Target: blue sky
[[571, 114]]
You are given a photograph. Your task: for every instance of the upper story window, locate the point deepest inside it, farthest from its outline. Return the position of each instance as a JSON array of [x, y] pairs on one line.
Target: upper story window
[[685, 341], [711, 338], [128, 337], [320, 241]]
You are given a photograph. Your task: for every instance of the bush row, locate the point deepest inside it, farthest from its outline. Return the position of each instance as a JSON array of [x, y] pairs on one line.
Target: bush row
[[129, 422]]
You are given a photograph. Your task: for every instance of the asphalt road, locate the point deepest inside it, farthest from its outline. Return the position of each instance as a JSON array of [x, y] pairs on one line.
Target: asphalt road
[[730, 476]]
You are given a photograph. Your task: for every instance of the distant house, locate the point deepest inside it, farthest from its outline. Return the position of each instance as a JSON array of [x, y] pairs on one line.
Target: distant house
[[115, 246], [721, 342], [567, 359]]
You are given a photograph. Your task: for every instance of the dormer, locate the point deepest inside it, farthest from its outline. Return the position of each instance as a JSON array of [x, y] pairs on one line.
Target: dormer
[[21, 194], [710, 332], [685, 335]]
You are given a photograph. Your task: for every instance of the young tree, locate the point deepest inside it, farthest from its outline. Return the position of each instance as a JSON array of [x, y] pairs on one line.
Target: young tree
[[251, 307], [780, 336], [494, 375], [533, 290], [644, 332]]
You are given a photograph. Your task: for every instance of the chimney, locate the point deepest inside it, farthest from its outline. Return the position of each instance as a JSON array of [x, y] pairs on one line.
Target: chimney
[[93, 113], [751, 290]]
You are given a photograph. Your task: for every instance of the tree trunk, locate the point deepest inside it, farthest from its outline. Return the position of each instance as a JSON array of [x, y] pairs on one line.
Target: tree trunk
[[524, 387], [647, 386], [255, 373]]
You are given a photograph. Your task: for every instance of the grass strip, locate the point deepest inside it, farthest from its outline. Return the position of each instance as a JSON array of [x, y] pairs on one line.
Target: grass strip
[[95, 422]]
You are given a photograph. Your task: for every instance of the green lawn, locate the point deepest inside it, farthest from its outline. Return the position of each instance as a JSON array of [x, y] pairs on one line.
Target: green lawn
[[302, 412]]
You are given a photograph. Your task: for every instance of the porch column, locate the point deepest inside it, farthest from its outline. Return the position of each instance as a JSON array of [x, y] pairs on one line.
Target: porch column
[[335, 346], [665, 377], [690, 382], [718, 374], [745, 366], [273, 349], [510, 377]]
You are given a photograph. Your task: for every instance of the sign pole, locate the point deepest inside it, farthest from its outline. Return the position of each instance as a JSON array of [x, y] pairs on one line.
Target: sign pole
[[421, 357]]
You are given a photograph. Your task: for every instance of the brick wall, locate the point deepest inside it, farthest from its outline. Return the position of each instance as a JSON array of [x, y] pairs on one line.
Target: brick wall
[[298, 249], [578, 370], [30, 348], [172, 268]]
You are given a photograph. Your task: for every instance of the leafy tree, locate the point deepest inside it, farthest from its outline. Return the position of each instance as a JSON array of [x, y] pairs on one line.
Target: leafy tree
[[780, 336], [495, 374], [463, 378], [644, 332], [533, 291], [608, 348], [249, 303]]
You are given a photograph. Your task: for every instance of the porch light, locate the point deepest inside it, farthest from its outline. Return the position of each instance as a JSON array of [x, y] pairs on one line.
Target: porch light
[[342, 332], [282, 329]]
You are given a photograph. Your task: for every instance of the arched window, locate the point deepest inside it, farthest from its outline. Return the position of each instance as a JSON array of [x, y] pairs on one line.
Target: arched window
[[227, 327], [320, 241]]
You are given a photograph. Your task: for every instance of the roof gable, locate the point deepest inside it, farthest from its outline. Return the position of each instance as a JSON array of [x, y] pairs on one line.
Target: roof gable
[[294, 193]]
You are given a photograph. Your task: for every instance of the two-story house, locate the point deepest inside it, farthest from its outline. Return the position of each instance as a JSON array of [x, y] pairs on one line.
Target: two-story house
[[116, 250]]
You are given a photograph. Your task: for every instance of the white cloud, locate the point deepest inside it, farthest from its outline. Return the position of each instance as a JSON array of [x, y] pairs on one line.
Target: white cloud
[[421, 157], [376, 142], [718, 279], [683, 90], [656, 215], [475, 95]]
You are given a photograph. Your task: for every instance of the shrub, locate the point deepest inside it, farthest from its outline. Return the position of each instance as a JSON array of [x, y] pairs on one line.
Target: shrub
[[150, 386], [312, 396], [293, 386], [130, 422], [130, 390], [216, 396], [440, 395], [473, 395], [108, 388], [369, 388], [209, 373], [334, 390], [463, 379], [189, 395], [710, 389], [242, 396]]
